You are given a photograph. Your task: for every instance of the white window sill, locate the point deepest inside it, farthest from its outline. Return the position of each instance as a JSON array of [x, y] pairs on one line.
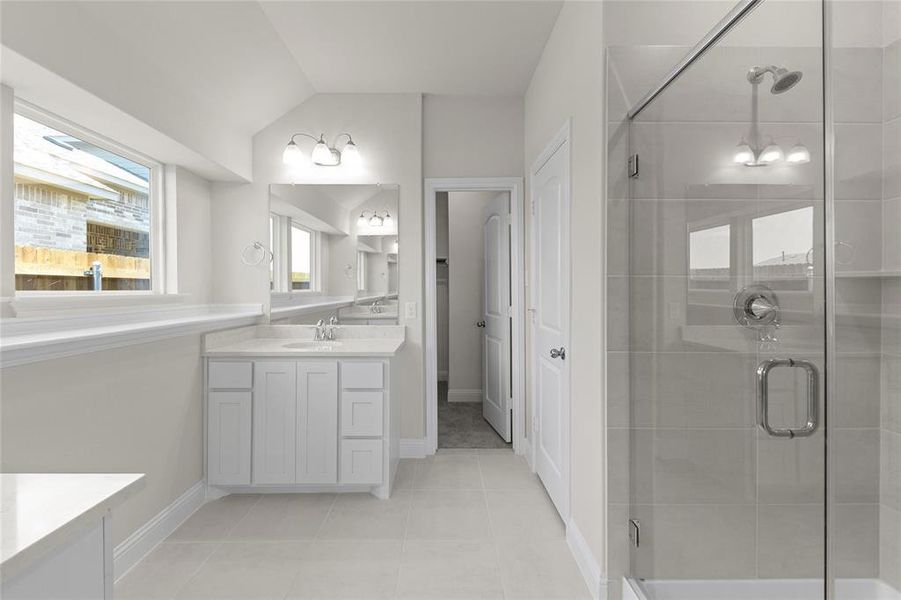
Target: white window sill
[[55, 304], [37, 338]]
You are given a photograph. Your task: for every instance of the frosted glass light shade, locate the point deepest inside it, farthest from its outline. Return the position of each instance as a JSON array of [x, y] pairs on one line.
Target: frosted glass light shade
[[799, 154], [293, 155], [771, 154], [362, 221], [350, 155], [322, 155], [388, 221], [743, 154]]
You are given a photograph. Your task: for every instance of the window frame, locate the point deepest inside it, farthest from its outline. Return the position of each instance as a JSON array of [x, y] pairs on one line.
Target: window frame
[[160, 253], [314, 257], [281, 247]]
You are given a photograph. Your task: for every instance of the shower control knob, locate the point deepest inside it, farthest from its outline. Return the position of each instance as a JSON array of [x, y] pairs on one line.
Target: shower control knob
[[761, 309]]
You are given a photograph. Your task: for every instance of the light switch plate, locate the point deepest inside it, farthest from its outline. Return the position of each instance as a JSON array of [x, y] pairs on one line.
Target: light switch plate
[[410, 310]]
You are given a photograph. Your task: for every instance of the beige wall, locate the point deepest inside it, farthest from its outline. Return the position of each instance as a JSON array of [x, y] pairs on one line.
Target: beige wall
[[568, 84], [472, 136], [128, 410]]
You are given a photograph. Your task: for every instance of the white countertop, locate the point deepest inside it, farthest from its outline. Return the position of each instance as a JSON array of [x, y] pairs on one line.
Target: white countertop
[[297, 341], [280, 347], [41, 511]]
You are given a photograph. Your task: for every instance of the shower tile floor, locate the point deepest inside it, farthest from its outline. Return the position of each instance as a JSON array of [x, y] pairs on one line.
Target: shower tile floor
[[461, 425], [461, 524]]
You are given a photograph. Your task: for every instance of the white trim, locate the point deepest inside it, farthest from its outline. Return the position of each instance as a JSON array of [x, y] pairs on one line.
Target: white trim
[[33, 339], [562, 139], [415, 448], [147, 537], [513, 185], [588, 565], [463, 395], [284, 306]]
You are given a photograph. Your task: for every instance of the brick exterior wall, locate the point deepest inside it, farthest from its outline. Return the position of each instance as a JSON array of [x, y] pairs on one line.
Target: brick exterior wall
[[49, 217]]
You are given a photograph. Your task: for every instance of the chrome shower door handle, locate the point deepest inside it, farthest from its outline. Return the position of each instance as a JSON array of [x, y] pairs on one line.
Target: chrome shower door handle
[[763, 399]]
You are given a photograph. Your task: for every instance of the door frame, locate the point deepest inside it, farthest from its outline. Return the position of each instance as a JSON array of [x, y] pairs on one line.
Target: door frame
[[514, 186], [562, 139]]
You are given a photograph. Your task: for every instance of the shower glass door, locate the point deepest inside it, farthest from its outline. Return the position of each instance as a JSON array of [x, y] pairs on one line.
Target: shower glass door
[[726, 342]]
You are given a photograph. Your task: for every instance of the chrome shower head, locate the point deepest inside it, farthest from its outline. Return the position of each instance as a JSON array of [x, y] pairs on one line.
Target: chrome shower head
[[783, 79]]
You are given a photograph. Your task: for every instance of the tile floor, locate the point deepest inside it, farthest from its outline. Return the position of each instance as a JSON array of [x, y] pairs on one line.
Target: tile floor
[[461, 524], [461, 424]]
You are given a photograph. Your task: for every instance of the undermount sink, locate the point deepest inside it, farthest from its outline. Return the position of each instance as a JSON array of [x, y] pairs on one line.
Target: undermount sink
[[314, 345]]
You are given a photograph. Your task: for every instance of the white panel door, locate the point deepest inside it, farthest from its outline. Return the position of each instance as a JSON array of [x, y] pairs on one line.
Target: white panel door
[[550, 323], [496, 315], [274, 432], [228, 438], [317, 422]]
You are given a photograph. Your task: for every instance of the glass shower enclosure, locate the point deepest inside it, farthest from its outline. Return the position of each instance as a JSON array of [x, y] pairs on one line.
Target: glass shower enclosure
[[753, 226]]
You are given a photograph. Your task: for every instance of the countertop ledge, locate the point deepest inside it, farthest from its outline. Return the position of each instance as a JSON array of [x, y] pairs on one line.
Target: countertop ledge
[[273, 341], [42, 511], [33, 339]]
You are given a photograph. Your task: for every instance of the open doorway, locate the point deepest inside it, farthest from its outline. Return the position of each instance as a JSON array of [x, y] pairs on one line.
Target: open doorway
[[474, 314], [474, 323]]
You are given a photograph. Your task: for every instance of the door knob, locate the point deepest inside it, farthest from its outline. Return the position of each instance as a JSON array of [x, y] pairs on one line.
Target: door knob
[[558, 353], [480, 324]]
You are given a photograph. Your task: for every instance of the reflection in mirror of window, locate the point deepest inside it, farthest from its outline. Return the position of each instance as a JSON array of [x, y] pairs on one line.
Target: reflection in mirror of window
[[709, 257], [301, 254], [783, 248], [82, 214], [361, 271]]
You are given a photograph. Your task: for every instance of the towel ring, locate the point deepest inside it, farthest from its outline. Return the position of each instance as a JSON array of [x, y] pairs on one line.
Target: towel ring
[[263, 254]]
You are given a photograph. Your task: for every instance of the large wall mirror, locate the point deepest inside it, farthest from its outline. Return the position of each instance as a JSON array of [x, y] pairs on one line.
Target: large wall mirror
[[334, 246]]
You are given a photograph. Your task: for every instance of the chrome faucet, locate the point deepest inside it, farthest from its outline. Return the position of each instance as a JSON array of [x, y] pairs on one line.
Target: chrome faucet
[[325, 332], [376, 307]]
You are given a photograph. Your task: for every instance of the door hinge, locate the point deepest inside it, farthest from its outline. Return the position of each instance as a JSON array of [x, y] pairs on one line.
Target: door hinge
[[635, 532], [633, 166]]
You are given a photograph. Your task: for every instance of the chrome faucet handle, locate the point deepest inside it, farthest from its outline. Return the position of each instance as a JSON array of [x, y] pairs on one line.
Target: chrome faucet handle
[[319, 334], [333, 320]]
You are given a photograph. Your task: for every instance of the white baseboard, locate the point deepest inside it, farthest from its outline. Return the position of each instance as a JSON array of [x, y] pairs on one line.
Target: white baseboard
[[464, 395], [591, 571], [140, 543], [525, 449], [414, 448]]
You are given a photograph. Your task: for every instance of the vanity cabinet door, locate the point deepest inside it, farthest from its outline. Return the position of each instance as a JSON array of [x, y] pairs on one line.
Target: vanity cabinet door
[[274, 421], [317, 422], [228, 438]]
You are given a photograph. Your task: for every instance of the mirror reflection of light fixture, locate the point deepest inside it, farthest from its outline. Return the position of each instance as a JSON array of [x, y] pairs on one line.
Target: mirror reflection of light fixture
[[771, 154], [375, 219], [322, 155], [744, 154], [798, 155]]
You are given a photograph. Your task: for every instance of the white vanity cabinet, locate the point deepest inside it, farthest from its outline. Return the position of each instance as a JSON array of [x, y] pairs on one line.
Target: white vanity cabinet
[[303, 424]]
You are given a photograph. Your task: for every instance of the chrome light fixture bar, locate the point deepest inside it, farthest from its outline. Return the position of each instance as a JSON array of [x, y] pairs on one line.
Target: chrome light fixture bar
[[322, 155]]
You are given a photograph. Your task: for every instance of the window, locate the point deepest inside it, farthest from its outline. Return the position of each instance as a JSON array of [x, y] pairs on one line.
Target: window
[[361, 270], [296, 263], [301, 258], [709, 257], [85, 211], [782, 248]]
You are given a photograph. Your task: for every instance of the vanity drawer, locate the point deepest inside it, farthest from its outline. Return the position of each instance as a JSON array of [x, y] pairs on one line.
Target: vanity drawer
[[362, 375], [227, 374], [361, 461], [361, 414]]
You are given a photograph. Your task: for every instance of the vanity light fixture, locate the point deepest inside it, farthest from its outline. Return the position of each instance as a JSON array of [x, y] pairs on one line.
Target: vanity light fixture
[[375, 219], [747, 155], [322, 155]]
